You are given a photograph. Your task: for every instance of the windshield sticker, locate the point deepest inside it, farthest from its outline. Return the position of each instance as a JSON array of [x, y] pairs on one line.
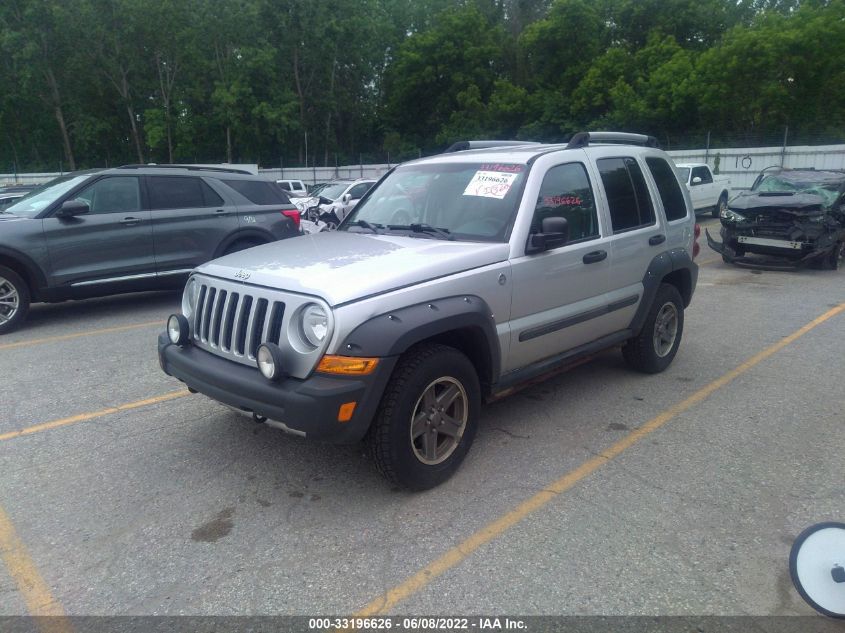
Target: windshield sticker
[[511, 169], [490, 184], [561, 201]]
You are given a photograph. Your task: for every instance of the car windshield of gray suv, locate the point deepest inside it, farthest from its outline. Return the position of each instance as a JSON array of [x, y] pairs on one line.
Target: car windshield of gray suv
[[39, 199], [460, 201]]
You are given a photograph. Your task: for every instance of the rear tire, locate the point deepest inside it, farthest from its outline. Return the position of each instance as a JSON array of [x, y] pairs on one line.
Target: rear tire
[[427, 418], [14, 300], [653, 349], [241, 245]]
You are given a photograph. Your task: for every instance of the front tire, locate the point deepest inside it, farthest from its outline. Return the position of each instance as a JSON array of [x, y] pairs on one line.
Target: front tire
[[654, 348], [14, 300], [427, 418], [722, 205], [834, 259]]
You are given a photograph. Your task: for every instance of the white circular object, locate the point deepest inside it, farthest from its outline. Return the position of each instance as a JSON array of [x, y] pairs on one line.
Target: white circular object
[[815, 561]]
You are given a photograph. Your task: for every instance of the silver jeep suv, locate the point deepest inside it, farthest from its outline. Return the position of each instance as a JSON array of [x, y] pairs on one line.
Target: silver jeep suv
[[455, 279]]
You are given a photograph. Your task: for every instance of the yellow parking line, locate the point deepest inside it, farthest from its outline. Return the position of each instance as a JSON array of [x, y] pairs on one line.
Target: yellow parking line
[[709, 261], [84, 417], [460, 552], [36, 593], [67, 337]]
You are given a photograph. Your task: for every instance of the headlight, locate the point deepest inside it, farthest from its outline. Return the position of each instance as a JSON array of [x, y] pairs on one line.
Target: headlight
[[732, 216], [190, 296], [314, 324]]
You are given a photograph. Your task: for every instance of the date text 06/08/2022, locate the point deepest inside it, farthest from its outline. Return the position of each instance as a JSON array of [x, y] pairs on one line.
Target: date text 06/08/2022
[[492, 623]]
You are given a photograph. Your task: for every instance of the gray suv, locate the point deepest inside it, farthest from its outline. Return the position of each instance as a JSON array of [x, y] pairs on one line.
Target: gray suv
[[130, 228], [455, 280]]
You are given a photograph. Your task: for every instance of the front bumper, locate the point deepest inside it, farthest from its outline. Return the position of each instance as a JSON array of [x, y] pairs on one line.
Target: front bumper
[[307, 406], [791, 258]]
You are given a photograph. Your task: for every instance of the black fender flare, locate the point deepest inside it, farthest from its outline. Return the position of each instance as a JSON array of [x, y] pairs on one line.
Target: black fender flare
[[244, 234], [666, 263], [392, 333], [33, 272]]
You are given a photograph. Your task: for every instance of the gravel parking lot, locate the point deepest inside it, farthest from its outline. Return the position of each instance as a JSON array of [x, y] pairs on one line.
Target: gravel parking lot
[[600, 491]]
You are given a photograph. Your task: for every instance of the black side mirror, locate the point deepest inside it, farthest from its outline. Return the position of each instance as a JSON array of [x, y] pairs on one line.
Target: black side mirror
[[555, 233], [72, 208]]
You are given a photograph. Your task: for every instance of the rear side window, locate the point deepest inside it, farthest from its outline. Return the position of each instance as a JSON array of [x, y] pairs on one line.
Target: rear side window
[[259, 191], [627, 194], [668, 188], [566, 193], [181, 192]]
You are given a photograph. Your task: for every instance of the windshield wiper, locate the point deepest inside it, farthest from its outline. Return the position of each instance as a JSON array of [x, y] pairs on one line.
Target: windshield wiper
[[366, 225], [423, 228]]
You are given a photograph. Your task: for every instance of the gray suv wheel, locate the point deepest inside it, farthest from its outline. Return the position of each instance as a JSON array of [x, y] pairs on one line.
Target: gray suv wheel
[[14, 300]]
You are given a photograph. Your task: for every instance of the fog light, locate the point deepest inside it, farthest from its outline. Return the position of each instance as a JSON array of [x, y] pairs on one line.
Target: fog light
[[269, 360], [178, 329]]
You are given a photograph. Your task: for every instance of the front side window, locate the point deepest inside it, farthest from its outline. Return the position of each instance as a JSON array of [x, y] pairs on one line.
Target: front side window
[[566, 193], [112, 195], [627, 194], [465, 201], [667, 186], [359, 190], [703, 173], [181, 192]]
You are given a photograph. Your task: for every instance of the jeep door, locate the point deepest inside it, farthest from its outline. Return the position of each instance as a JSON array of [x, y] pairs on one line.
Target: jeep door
[[190, 221], [113, 241], [638, 234], [670, 196], [559, 295]]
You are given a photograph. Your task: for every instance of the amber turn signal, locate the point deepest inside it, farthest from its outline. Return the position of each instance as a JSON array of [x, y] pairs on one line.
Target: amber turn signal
[[347, 365], [344, 414]]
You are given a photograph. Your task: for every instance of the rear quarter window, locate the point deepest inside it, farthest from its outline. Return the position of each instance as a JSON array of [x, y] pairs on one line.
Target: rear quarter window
[[259, 191], [667, 186]]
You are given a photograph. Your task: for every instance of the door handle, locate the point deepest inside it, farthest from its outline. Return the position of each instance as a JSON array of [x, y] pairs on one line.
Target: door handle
[[130, 221], [654, 240], [595, 256], [220, 211]]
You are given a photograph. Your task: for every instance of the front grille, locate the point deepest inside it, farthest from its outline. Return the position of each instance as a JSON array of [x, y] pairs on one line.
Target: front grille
[[236, 321], [232, 319]]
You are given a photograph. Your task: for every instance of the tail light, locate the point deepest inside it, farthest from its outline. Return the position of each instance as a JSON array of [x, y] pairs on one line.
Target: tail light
[[294, 215], [696, 249]]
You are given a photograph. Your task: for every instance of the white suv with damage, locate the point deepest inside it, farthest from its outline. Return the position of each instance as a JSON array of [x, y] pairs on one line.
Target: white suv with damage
[[455, 280]]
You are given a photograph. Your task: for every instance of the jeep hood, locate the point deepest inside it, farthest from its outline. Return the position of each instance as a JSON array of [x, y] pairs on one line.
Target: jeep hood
[[339, 266]]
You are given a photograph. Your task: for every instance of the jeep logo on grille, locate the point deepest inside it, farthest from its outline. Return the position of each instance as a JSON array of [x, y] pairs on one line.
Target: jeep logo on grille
[[242, 274]]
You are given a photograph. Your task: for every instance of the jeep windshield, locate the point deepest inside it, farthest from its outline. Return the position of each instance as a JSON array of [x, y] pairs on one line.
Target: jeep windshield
[[39, 199], [460, 201]]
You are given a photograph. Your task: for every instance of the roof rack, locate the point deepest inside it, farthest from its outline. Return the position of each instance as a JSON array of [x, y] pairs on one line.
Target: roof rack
[[230, 170], [461, 146], [582, 139]]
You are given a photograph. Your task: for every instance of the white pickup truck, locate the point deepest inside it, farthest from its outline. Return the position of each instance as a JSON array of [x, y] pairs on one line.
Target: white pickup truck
[[708, 193]]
